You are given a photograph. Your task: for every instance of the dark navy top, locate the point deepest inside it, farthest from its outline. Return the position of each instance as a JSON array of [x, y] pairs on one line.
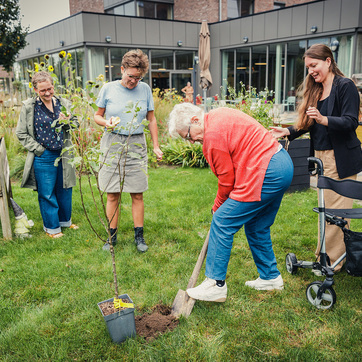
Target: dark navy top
[[318, 132], [48, 136]]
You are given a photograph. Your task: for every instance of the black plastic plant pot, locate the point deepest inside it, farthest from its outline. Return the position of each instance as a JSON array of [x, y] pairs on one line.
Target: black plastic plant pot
[[121, 325]]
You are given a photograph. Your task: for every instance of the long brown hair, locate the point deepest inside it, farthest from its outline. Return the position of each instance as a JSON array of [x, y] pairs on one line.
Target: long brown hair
[[311, 90]]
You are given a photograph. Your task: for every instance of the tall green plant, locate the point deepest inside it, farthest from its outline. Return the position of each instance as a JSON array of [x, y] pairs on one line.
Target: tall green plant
[[87, 156]]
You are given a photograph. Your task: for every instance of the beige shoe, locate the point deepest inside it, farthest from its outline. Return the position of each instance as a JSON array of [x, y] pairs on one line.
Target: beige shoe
[[261, 284], [208, 291]]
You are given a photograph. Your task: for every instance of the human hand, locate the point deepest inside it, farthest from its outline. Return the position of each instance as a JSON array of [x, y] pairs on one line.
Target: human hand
[[158, 153], [313, 112], [112, 122], [279, 132], [62, 116]]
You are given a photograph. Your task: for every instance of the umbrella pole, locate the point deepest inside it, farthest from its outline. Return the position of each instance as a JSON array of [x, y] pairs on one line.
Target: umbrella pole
[[204, 98]]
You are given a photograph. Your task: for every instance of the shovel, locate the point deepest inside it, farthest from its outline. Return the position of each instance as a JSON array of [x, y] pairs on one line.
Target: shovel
[[183, 304]]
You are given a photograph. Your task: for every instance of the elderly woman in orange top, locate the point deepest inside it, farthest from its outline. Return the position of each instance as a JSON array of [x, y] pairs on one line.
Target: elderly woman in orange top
[[253, 173]]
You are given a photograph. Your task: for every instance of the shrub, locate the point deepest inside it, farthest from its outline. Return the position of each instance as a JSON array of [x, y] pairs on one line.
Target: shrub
[[183, 153], [257, 105], [164, 102]]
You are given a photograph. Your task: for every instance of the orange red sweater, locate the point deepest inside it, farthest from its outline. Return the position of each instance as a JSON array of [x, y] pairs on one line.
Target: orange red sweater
[[238, 150]]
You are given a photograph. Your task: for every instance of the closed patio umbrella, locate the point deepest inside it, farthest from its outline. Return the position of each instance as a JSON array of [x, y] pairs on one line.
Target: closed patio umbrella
[[204, 59]]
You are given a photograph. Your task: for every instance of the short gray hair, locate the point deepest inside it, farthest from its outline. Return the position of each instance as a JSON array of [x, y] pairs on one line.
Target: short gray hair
[[180, 117]]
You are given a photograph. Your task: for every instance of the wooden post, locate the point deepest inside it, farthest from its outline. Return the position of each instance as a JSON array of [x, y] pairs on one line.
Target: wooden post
[[4, 191]]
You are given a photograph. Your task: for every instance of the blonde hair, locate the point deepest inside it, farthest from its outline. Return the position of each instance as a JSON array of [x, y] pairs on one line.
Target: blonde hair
[[310, 90]]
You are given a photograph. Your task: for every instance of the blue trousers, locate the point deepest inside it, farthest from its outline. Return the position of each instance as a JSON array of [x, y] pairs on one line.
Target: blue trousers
[[55, 202], [257, 218]]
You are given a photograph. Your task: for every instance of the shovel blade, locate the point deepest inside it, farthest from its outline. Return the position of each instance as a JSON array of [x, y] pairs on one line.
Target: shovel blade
[[182, 305]]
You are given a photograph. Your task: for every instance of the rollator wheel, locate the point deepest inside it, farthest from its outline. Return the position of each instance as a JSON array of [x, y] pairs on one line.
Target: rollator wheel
[[329, 296], [290, 261]]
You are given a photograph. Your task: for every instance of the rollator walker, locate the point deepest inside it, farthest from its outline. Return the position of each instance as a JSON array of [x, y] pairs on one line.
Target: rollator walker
[[321, 294]]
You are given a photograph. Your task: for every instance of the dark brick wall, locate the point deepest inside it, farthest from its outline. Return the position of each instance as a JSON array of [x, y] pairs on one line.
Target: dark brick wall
[[94, 6], [265, 5], [199, 10]]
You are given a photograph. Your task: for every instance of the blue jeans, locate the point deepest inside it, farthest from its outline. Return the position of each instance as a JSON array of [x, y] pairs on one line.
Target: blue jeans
[[55, 202], [257, 217]]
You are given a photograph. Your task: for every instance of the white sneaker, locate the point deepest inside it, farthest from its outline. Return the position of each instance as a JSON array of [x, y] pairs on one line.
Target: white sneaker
[[261, 284], [208, 291]]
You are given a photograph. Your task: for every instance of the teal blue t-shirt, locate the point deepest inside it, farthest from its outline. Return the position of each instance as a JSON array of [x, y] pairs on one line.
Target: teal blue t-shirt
[[115, 98]]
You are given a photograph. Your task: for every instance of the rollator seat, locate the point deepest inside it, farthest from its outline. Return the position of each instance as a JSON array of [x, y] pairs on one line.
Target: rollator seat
[[344, 213], [347, 188]]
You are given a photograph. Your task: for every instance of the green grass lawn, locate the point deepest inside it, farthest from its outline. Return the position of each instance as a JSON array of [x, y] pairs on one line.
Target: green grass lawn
[[49, 288]]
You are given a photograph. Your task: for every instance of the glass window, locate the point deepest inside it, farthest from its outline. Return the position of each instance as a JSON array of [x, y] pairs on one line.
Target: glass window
[[276, 71], [98, 63], [233, 8], [258, 70], [318, 41], [116, 62], [184, 60], [179, 81], [358, 67], [246, 7], [227, 72], [164, 11], [161, 59], [57, 63], [279, 5], [145, 9], [129, 9], [295, 71], [161, 80], [81, 67], [237, 8], [343, 54], [118, 10], [242, 68]]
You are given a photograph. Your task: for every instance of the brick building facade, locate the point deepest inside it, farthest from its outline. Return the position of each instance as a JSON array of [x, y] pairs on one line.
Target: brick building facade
[[189, 10], [266, 5], [93, 6]]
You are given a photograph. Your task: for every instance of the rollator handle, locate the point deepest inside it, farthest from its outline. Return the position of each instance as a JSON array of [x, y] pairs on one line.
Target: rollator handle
[[312, 161]]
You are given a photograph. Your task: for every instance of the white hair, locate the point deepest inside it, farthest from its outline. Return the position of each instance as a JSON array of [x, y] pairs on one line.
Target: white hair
[[180, 117]]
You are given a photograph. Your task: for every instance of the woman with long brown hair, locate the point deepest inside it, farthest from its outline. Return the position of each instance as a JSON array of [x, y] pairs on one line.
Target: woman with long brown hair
[[329, 111]]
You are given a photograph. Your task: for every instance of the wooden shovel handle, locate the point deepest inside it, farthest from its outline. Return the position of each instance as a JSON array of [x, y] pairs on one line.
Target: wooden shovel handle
[[200, 260]]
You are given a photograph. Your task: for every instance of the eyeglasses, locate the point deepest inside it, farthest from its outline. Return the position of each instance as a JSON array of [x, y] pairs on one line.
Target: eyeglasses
[[137, 79], [43, 91], [188, 136]]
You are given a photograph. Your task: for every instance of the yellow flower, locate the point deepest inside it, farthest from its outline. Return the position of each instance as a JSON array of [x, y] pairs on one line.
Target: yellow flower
[[62, 54], [100, 78], [46, 56], [50, 68], [36, 67], [30, 85], [69, 56], [42, 64]]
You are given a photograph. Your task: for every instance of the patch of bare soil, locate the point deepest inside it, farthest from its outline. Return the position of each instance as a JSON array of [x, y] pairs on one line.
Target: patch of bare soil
[[159, 321]]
